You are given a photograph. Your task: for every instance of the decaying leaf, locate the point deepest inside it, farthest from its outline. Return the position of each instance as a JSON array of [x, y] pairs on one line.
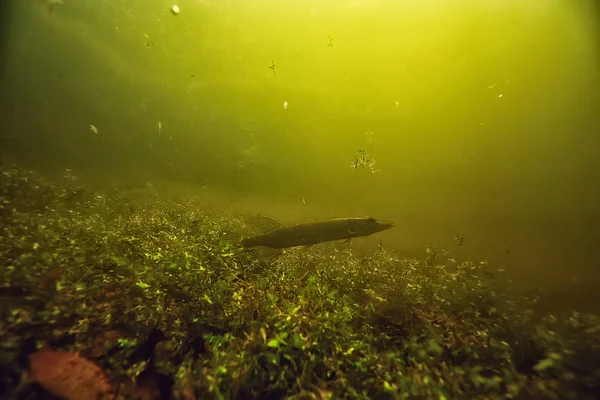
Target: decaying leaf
[[69, 376]]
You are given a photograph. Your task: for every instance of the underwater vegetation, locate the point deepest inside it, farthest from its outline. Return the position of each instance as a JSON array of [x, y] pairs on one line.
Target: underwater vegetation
[[103, 296]]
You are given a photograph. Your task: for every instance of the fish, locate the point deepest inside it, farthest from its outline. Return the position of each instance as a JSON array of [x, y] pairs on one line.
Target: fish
[[307, 234]]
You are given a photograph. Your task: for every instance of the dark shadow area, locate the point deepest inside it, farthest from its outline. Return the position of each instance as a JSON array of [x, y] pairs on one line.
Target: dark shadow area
[[4, 33]]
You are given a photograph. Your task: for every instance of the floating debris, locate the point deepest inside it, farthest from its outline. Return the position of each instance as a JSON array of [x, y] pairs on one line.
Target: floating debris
[[330, 44], [459, 239], [93, 128], [272, 68], [159, 127], [175, 9], [362, 159], [285, 105], [149, 41], [397, 104]]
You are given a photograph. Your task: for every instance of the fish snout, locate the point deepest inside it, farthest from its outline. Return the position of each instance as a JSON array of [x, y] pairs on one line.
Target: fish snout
[[387, 224]]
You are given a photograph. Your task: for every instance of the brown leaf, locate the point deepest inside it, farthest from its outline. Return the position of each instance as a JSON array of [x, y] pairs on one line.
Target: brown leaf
[[52, 277], [69, 376]]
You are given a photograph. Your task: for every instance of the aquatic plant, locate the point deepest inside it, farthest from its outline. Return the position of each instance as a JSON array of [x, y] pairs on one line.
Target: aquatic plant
[[156, 303]]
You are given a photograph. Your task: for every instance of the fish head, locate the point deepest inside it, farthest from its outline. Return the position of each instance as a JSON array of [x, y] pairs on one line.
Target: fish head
[[368, 225]]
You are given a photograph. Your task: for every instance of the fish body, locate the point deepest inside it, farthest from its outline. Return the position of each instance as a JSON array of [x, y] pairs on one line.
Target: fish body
[[310, 233]]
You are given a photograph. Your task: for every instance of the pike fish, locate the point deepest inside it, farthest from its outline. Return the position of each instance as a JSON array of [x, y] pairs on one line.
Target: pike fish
[[310, 233]]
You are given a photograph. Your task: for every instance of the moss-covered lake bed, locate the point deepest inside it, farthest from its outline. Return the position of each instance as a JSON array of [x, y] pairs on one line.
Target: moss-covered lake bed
[[106, 296]]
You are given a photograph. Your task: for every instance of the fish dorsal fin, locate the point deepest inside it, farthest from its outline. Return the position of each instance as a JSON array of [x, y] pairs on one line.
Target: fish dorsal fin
[[268, 224]]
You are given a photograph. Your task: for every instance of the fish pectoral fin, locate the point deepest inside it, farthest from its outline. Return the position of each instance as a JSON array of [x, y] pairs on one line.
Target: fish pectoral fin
[[343, 244], [306, 248], [268, 252], [268, 224], [232, 238]]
